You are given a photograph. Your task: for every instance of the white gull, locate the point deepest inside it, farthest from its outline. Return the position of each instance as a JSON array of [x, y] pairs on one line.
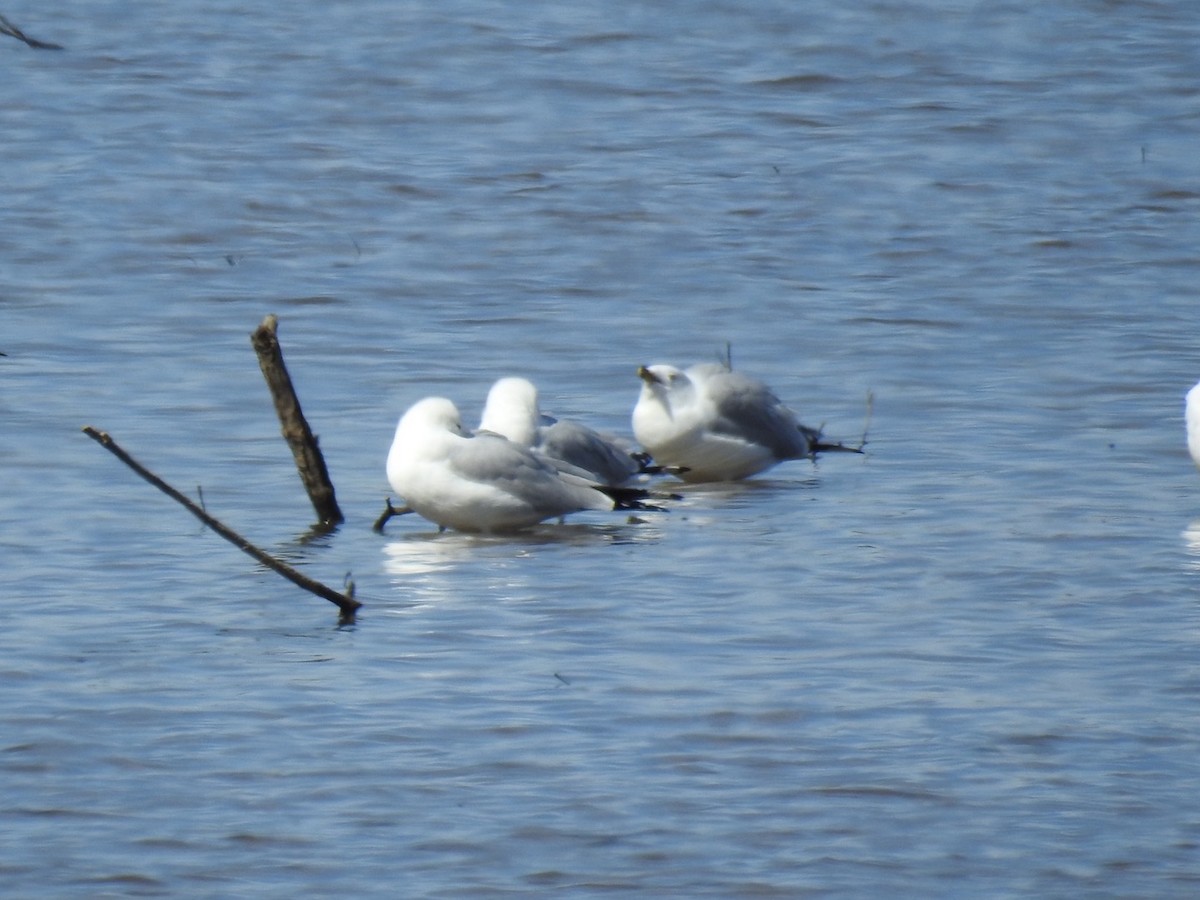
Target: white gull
[[715, 424], [512, 410], [484, 482], [1192, 418]]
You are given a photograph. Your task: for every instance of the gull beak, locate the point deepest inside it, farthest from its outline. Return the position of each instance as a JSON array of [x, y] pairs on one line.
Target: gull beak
[[647, 376]]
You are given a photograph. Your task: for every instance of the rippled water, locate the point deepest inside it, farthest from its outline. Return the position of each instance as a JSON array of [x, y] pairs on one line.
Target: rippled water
[[965, 664]]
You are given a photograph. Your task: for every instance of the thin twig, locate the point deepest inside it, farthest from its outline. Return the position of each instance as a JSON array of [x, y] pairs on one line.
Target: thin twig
[[346, 603], [387, 513], [867, 420], [7, 27]]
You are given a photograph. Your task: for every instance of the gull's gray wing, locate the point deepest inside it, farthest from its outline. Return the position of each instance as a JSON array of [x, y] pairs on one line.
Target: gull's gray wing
[[747, 409], [587, 449], [491, 460]]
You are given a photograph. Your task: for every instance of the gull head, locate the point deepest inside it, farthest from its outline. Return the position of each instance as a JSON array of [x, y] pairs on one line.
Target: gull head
[[512, 411], [662, 383], [666, 393], [431, 414], [663, 376], [423, 433]]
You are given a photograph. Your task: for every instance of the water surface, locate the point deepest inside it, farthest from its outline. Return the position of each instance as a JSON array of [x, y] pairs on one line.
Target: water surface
[[963, 664]]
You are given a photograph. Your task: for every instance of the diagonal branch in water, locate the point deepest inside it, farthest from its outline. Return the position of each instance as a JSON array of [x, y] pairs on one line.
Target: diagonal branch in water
[[344, 602], [8, 28]]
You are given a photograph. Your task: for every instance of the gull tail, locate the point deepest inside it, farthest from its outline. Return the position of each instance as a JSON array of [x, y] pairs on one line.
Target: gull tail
[[634, 498], [647, 466], [816, 445], [839, 447]]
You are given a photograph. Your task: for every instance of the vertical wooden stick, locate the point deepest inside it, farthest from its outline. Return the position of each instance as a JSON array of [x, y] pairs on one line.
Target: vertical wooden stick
[[309, 461]]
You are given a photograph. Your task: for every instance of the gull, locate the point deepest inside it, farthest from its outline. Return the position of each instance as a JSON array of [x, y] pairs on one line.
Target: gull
[[512, 411], [484, 482], [1192, 417], [716, 424]]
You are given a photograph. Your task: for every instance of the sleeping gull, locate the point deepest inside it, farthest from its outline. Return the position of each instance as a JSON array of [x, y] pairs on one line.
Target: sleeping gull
[[512, 411], [1192, 417], [717, 424], [484, 482]]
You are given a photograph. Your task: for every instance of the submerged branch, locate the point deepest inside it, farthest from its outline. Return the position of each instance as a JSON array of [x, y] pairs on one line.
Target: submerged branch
[[344, 602]]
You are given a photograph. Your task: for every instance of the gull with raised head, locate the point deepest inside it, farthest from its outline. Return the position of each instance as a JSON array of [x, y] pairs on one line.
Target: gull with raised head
[[716, 424], [512, 410], [485, 482]]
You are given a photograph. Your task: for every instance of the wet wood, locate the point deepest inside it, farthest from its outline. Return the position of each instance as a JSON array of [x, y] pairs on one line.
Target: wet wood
[[310, 462], [344, 602], [8, 28], [388, 512]]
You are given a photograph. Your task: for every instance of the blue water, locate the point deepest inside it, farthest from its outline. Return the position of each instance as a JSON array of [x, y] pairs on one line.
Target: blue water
[[962, 665]]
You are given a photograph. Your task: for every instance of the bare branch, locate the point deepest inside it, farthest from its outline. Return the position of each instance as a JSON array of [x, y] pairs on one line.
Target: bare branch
[[7, 27], [387, 513], [344, 602], [867, 421]]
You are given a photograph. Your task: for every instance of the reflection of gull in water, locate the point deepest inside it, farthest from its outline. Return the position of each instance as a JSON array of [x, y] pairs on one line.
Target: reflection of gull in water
[[433, 567], [512, 410], [423, 554], [429, 552], [485, 482], [421, 566], [1191, 537]]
